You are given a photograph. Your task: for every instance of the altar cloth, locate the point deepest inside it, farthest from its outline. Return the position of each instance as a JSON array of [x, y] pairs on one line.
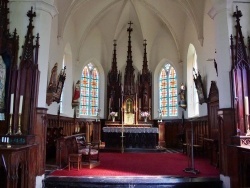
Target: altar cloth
[[130, 129]]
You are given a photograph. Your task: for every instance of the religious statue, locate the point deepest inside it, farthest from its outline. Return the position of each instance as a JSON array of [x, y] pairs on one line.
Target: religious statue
[[182, 93], [112, 99], [129, 106], [145, 98], [76, 95]]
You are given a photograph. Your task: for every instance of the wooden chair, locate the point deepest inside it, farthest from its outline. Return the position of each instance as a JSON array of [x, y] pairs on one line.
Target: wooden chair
[[75, 158], [90, 154]]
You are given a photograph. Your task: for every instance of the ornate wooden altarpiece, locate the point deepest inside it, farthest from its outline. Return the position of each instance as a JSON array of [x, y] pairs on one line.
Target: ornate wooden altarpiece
[[22, 143], [132, 97]]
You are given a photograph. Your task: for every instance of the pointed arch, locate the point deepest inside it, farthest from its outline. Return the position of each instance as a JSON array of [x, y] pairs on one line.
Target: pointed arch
[[192, 96], [168, 91]]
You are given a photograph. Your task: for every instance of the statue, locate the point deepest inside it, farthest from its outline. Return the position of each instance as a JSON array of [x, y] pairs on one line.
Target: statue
[[112, 98], [145, 98], [76, 95], [182, 93], [129, 106]]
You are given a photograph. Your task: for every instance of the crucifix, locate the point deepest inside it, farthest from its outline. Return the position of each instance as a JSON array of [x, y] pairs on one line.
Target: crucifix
[[130, 29]]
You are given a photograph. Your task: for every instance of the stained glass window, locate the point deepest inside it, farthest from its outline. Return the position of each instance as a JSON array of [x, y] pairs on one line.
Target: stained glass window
[[89, 99], [168, 91]]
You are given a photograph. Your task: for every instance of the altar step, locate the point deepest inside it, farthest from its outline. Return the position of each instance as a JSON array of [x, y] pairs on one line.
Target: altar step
[[130, 181], [141, 150], [159, 149]]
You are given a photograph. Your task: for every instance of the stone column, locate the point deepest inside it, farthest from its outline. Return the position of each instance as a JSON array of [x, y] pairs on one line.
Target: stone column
[[222, 18]]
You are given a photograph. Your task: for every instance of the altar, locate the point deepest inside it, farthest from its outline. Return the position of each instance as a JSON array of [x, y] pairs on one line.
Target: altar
[[129, 104], [133, 137]]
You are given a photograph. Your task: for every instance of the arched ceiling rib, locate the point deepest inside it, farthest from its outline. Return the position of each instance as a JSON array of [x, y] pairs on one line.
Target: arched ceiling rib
[[169, 13], [189, 7]]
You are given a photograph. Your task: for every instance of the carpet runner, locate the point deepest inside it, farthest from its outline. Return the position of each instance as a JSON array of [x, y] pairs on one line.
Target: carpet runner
[[143, 164]]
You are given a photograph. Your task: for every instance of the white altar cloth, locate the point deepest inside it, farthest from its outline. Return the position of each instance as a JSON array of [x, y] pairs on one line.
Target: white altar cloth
[[130, 129]]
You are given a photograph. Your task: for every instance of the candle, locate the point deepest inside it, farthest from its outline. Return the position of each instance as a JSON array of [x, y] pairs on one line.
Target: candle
[[11, 103], [21, 104], [234, 87], [246, 106]]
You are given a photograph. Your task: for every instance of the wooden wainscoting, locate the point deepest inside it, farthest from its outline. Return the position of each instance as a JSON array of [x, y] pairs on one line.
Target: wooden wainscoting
[[59, 127], [174, 130]]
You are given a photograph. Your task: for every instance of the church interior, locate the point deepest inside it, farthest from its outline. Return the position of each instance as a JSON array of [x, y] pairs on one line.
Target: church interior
[[80, 78]]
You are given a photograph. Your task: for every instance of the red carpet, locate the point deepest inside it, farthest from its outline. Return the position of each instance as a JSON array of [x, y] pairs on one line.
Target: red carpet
[[143, 164]]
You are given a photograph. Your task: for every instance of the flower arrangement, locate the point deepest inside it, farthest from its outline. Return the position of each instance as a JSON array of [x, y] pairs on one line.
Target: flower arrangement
[[145, 114], [113, 114]]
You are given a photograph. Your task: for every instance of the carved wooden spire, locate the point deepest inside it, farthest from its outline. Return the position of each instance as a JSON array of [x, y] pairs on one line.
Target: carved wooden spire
[[240, 58], [114, 82], [145, 61], [113, 75], [28, 76], [129, 84], [27, 58], [4, 21], [144, 83]]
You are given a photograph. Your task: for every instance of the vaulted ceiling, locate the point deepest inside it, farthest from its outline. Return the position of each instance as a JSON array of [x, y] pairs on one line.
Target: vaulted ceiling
[[149, 17]]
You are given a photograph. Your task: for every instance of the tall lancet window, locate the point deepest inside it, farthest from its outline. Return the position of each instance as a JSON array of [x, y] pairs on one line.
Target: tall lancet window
[[168, 91], [89, 102]]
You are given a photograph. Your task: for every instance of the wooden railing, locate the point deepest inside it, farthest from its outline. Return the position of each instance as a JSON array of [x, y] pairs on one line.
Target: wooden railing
[[59, 126], [66, 126]]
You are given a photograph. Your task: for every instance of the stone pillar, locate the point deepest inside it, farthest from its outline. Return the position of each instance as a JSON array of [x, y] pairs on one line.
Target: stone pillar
[[222, 18]]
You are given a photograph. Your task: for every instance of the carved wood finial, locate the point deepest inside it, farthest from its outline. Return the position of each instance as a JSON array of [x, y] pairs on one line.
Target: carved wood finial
[[31, 15], [145, 61], [237, 14]]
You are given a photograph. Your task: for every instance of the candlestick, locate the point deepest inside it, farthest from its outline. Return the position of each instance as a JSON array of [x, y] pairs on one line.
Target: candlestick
[[246, 106], [19, 132], [235, 96], [247, 122], [11, 103], [21, 104], [10, 126]]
